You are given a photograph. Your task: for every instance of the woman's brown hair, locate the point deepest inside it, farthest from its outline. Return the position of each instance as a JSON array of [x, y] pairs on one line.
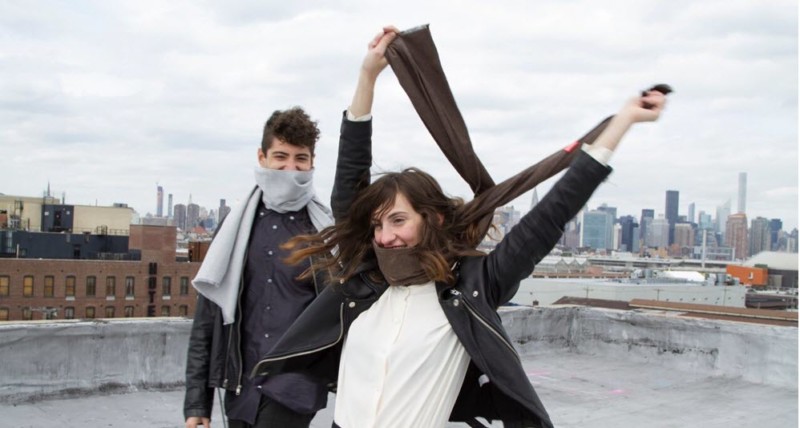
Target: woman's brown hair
[[342, 248]]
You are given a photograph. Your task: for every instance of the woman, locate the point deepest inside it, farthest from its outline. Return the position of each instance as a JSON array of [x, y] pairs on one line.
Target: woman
[[409, 334]]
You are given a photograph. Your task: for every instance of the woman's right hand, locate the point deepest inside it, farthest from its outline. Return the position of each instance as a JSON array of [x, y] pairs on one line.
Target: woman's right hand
[[375, 61]]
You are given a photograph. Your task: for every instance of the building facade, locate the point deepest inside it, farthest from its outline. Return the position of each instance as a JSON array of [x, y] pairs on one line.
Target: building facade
[[597, 230], [155, 285], [671, 212], [736, 235], [760, 239]]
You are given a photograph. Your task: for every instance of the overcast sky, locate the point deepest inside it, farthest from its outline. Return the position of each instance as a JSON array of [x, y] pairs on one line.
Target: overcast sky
[[104, 99]]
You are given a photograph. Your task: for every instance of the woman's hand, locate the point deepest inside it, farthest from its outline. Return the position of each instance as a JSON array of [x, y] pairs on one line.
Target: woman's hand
[[646, 108], [375, 61]]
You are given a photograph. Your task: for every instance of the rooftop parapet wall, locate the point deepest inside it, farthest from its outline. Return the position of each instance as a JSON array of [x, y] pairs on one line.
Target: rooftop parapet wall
[[66, 358], [752, 352], [44, 359]]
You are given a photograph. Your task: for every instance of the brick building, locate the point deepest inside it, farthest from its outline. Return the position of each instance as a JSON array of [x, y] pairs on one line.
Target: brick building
[[156, 285]]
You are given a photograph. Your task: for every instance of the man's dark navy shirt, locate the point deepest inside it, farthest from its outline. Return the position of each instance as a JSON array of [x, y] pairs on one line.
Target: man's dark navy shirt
[[272, 298]]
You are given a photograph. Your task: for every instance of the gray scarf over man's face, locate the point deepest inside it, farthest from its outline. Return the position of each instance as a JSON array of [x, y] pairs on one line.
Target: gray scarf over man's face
[[285, 191], [220, 274]]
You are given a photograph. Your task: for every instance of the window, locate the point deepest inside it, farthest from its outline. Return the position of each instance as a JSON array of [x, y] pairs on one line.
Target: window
[[91, 286], [166, 286], [128, 286], [128, 311], [90, 312], [49, 282], [69, 313], [69, 286], [50, 313], [27, 286], [109, 312], [184, 286], [27, 314], [165, 311], [3, 314], [4, 281], [183, 310], [111, 286]]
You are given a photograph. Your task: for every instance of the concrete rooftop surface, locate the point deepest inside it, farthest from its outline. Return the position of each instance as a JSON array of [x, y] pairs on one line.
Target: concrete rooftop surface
[[591, 367]]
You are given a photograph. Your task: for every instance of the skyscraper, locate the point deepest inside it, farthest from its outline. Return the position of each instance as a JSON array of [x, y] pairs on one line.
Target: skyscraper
[[169, 205], [704, 221], [597, 228], [671, 213], [736, 235], [180, 216], [741, 202], [775, 226], [160, 202], [534, 199], [658, 233], [647, 216], [759, 235], [628, 225], [223, 210], [690, 216], [610, 210], [684, 235], [723, 211], [192, 215]]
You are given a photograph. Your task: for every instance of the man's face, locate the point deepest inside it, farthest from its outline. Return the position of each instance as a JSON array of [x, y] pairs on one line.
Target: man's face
[[285, 156]]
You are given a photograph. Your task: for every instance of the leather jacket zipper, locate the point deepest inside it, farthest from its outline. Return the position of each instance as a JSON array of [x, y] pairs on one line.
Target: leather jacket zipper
[[310, 351], [483, 321], [237, 325]]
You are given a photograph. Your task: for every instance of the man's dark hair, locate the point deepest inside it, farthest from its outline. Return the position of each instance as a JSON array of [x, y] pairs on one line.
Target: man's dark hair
[[292, 126]]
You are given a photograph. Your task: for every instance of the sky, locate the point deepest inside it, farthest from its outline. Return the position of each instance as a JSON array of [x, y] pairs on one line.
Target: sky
[[106, 100]]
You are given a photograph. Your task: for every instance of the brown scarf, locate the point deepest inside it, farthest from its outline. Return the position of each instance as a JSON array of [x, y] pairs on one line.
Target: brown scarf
[[400, 266], [415, 62]]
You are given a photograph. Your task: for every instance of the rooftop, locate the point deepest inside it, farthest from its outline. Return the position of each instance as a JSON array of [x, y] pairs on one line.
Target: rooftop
[[591, 367]]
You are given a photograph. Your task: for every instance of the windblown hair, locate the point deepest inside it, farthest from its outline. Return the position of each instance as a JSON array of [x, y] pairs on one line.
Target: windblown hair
[[292, 126], [441, 236]]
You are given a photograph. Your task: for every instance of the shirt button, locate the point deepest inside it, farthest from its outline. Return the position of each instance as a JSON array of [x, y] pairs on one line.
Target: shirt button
[[269, 280], [274, 226], [352, 304], [269, 252], [291, 217], [475, 293], [261, 213], [259, 387], [269, 308], [456, 302], [266, 335]]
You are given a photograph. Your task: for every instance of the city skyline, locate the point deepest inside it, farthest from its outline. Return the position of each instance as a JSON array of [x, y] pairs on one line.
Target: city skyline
[[183, 106]]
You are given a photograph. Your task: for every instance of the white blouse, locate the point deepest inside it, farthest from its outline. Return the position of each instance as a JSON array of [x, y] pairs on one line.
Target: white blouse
[[402, 365]]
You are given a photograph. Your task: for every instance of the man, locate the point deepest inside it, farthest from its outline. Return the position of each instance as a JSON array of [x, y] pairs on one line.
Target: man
[[249, 296]]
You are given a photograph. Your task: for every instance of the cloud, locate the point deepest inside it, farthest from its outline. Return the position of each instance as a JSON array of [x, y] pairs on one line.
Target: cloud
[[106, 99]]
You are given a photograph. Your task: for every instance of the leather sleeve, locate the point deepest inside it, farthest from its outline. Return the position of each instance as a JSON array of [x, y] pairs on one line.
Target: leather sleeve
[[352, 164], [540, 229], [199, 398]]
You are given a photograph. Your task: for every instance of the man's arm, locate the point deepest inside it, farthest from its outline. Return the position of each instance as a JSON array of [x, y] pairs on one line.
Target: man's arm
[[199, 397], [355, 139]]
